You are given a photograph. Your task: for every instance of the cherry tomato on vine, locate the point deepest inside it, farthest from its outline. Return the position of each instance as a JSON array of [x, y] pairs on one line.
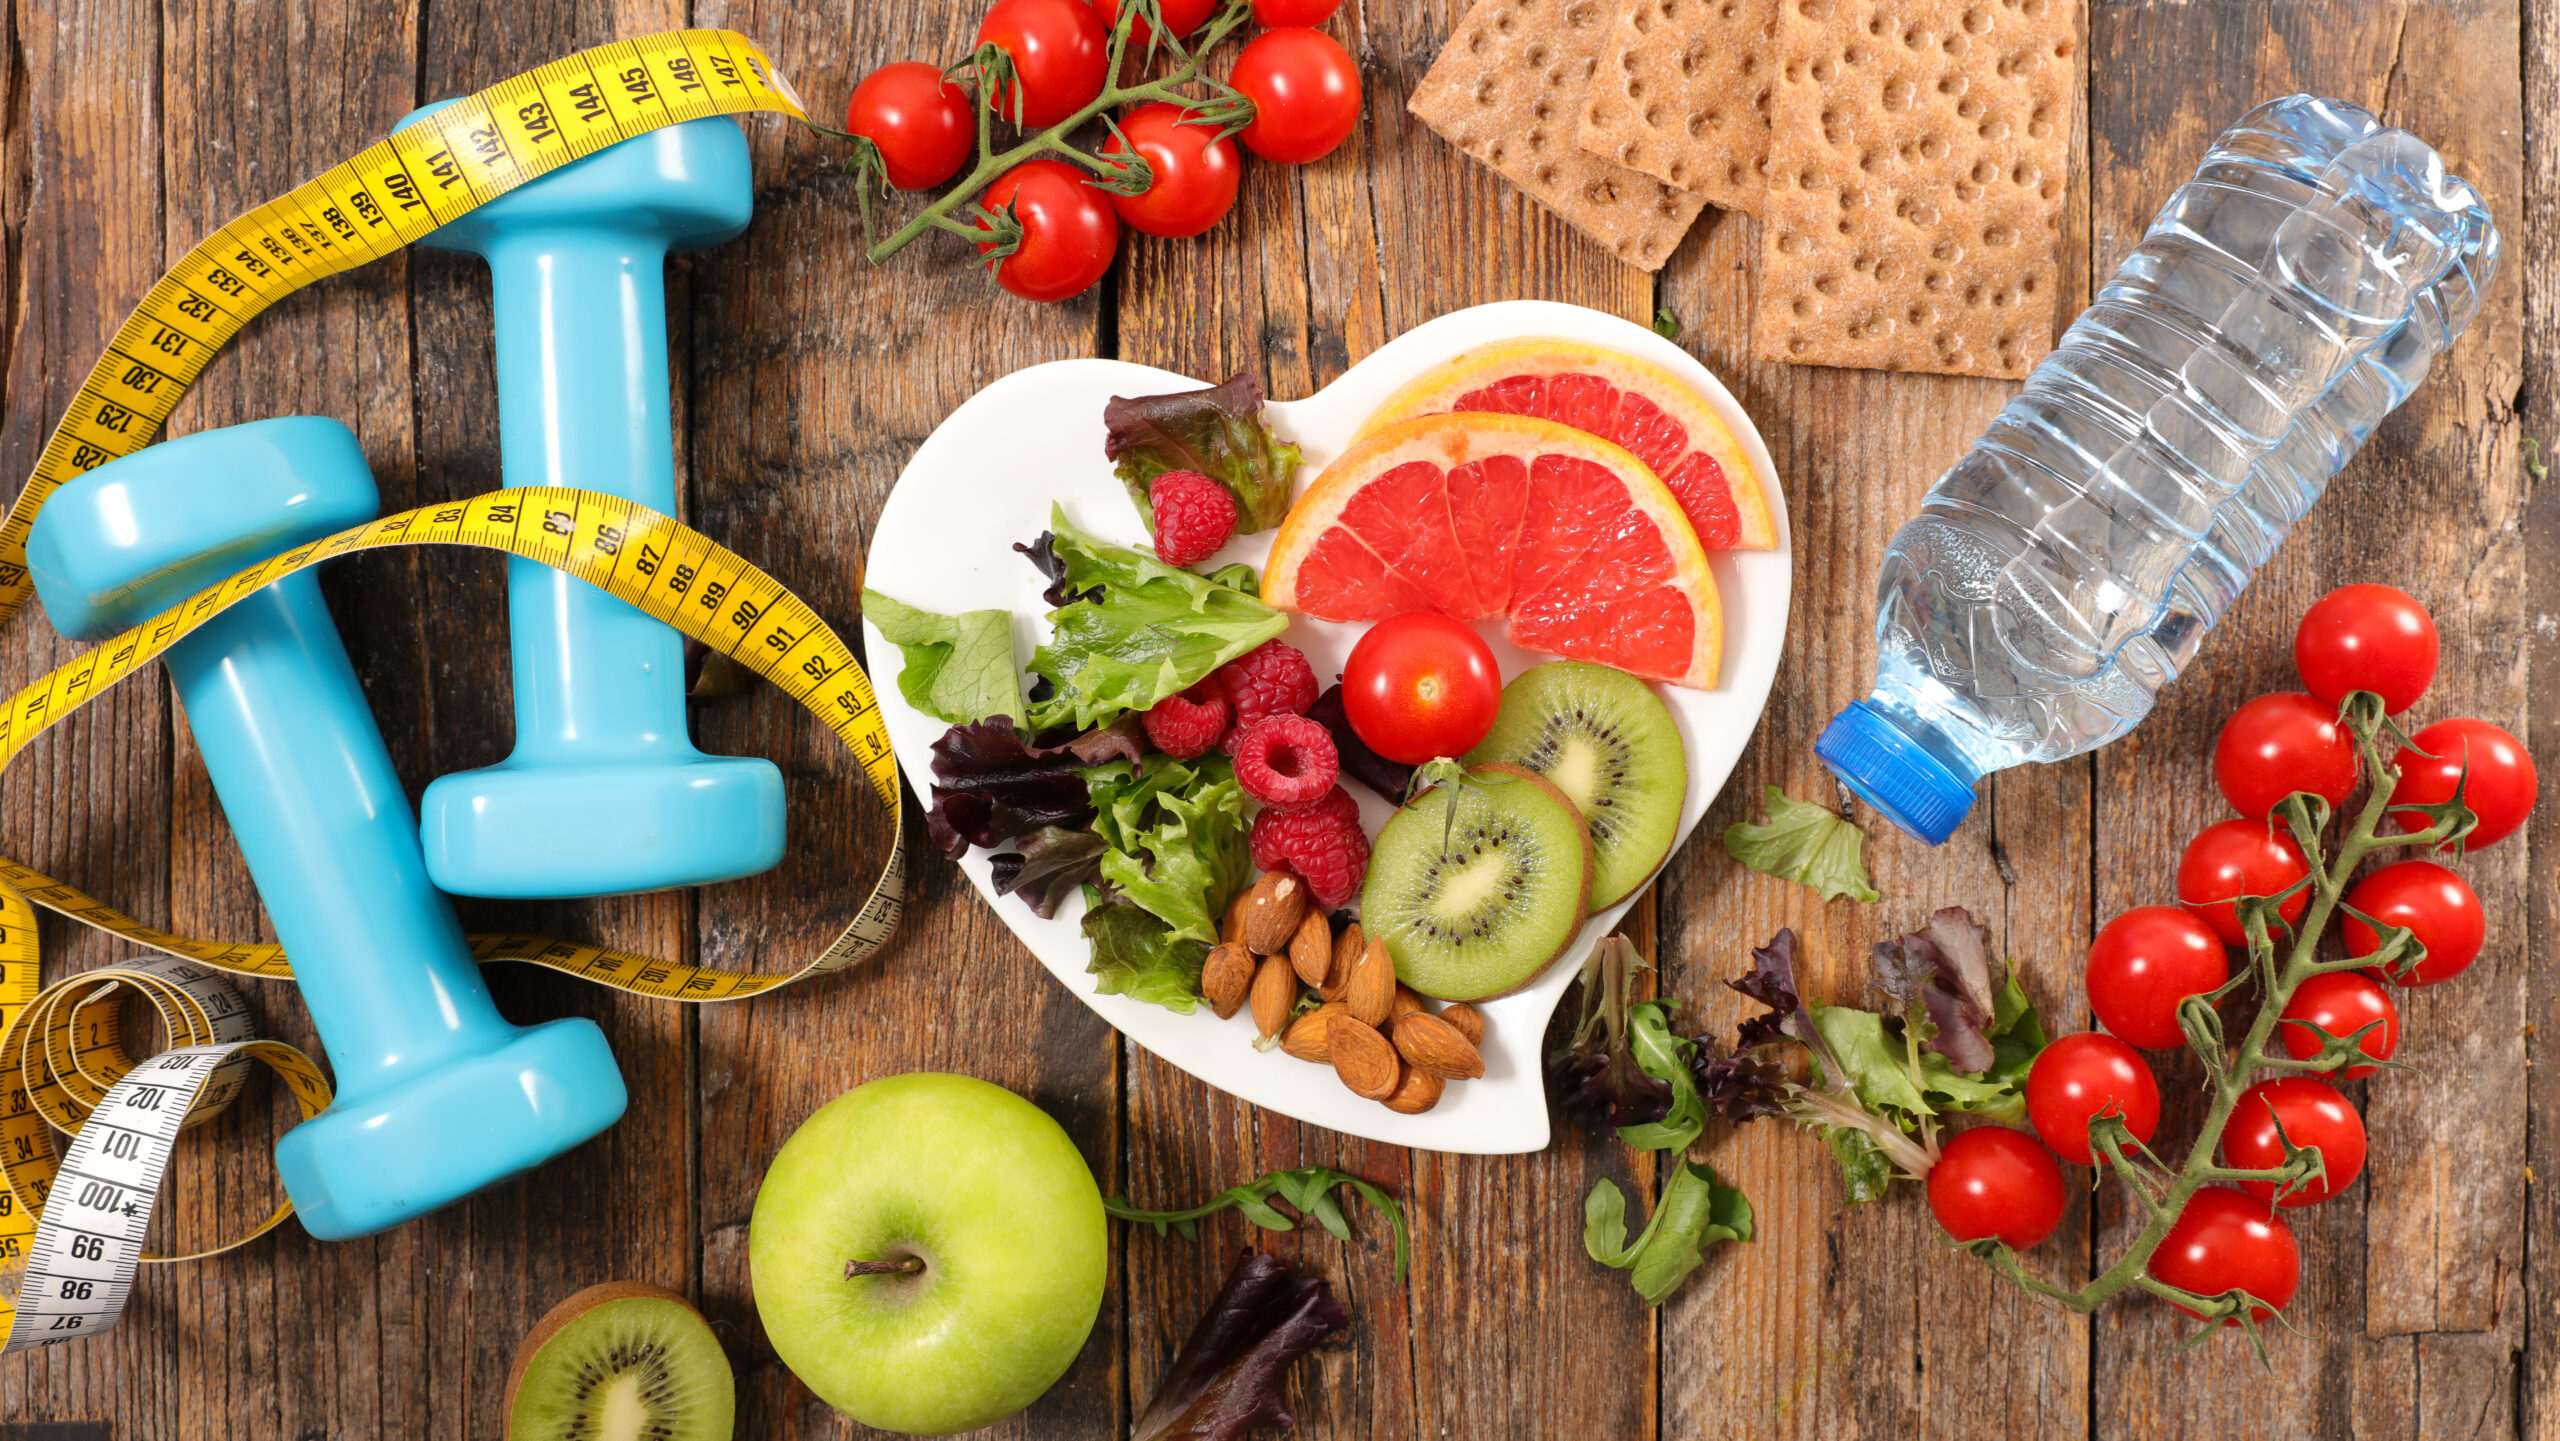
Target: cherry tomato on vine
[[2366, 637], [1992, 1181], [2282, 743], [1195, 172], [1180, 16], [2231, 859], [1271, 13], [1305, 92], [2435, 904], [2081, 1077], [2144, 963], [2313, 1114], [1061, 54], [1068, 230], [2499, 788], [2227, 1240], [2341, 1003], [922, 124], [1421, 686]]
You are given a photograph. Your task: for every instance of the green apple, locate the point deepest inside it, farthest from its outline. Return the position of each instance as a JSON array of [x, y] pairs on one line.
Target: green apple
[[928, 1253]]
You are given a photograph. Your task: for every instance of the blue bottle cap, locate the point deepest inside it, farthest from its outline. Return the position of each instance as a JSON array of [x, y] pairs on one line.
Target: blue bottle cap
[[1894, 773]]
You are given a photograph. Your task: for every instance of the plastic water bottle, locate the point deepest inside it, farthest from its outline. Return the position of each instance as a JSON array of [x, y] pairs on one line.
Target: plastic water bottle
[[2285, 300]]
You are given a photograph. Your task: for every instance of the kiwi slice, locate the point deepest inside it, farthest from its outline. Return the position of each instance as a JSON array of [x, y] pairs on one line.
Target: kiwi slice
[[1608, 743], [1477, 904], [624, 1361]]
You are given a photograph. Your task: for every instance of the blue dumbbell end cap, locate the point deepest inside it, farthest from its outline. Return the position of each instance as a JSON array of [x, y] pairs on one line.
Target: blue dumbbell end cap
[[359, 1168], [138, 535], [1895, 773], [532, 832], [693, 180]]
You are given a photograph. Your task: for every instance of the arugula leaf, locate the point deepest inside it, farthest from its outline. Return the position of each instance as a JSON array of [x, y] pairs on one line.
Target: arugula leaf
[[1309, 1188], [959, 668], [1136, 955], [1807, 844], [1143, 630], [1231, 1376], [1176, 834], [1218, 432], [1664, 1057], [1695, 1212]]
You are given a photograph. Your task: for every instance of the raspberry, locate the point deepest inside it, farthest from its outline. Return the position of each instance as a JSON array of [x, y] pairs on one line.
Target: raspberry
[[1286, 761], [1194, 516], [1187, 723], [1271, 679], [1322, 843]]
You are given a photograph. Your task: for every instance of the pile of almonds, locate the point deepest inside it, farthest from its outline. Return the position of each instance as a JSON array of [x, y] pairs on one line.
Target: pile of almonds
[[1334, 999]]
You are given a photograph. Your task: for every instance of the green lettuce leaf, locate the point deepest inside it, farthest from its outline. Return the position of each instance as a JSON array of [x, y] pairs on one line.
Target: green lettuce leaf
[[1148, 631], [1135, 955], [1877, 1065], [1176, 834], [1218, 432], [1807, 844], [1695, 1212], [1665, 1057], [959, 668], [1865, 1174]]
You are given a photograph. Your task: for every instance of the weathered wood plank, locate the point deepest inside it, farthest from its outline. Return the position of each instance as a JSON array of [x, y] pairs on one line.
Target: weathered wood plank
[[2539, 1391]]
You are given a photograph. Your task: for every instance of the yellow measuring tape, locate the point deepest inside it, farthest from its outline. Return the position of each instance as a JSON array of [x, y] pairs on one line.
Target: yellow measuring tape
[[63, 1058]]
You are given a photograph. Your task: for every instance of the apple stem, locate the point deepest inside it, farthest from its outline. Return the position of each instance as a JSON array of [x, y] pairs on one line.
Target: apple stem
[[908, 1267]]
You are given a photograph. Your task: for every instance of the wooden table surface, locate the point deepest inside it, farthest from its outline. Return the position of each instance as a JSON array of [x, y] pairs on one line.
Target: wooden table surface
[[806, 378]]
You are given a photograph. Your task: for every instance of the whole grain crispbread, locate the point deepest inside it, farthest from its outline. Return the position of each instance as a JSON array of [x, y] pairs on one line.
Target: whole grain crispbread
[[1682, 94]]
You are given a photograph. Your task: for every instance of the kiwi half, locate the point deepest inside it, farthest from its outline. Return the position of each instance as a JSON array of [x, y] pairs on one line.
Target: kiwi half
[[1476, 905], [624, 1361], [1608, 742]]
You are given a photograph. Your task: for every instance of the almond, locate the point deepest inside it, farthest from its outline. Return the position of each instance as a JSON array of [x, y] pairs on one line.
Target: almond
[[1468, 1020], [1311, 949], [1370, 994], [1306, 1036], [1433, 1045], [1346, 952], [1271, 913], [1407, 1001], [1275, 990], [1362, 1058], [1418, 1092], [1225, 978], [1232, 928]]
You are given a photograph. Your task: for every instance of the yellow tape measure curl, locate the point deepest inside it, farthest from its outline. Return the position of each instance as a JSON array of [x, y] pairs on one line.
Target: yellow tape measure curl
[[63, 1064]]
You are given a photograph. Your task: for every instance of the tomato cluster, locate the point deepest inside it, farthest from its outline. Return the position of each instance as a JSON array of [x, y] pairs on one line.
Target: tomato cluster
[[1305, 94], [2145, 964]]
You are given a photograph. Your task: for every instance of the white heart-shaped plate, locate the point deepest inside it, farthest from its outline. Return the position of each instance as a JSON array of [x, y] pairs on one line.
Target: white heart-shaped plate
[[985, 479]]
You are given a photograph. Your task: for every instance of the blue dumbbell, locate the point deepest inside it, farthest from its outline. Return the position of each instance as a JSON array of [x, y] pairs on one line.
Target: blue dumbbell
[[437, 1095], [604, 793]]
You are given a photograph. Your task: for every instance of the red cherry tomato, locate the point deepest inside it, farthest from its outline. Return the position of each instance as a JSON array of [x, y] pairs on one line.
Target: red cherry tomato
[[1271, 13], [1195, 172], [2282, 743], [1180, 16], [2499, 788], [1068, 230], [2341, 1003], [1305, 92], [2366, 637], [2143, 964], [1992, 1181], [923, 125], [2226, 1240], [2313, 1115], [2081, 1077], [2434, 903], [2231, 859], [1419, 687], [1061, 54]]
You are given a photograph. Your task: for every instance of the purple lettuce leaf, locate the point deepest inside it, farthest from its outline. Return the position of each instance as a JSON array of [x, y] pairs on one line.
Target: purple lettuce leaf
[[990, 785], [1052, 862], [1232, 1374], [1218, 432], [1388, 778]]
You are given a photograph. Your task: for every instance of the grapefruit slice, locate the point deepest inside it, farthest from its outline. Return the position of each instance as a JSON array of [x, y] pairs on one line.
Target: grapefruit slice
[[1470, 515], [1629, 402]]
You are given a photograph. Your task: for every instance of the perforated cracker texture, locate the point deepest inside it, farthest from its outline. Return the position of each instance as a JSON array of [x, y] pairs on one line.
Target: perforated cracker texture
[[1917, 168], [1682, 94]]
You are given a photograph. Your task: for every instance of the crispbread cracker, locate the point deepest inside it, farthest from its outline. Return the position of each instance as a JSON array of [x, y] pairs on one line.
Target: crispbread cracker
[[1507, 89], [1683, 95], [1917, 164]]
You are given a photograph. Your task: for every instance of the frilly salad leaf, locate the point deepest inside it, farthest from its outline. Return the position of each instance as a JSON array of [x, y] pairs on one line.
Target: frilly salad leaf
[[1136, 955], [1625, 1067], [1176, 836], [959, 668], [1218, 432], [990, 785], [1134, 630], [1052, 863], [1807, 844], [1695, 1212], [1231, 1376]]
